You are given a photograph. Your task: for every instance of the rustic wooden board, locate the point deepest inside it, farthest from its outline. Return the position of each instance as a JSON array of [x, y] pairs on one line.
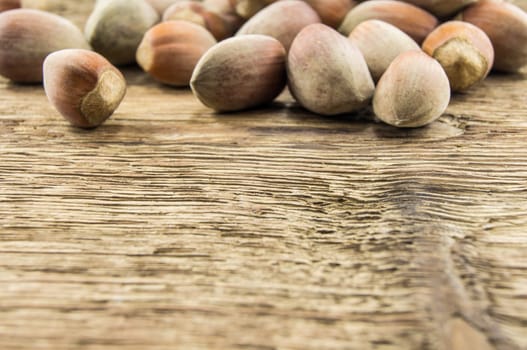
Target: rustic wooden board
[[171, 227]]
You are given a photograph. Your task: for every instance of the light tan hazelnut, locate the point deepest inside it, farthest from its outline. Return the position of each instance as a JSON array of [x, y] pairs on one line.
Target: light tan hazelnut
[[116, 27], [412, 20], [170, 51], [162, 5], [463, 50], [83, 86], [380, 43], [28, 36], [327, 73], [506, 26], [240, 72], [282, 20], [414, 91]]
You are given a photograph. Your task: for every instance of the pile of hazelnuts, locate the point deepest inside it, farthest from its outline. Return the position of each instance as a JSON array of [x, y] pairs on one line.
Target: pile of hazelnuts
[[404, 58]]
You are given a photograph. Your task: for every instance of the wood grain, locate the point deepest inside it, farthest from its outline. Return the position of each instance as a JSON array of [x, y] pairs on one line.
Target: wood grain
[[172, 227]]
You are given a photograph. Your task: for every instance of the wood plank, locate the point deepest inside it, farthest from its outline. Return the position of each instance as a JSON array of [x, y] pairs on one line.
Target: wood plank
[[172, 227]]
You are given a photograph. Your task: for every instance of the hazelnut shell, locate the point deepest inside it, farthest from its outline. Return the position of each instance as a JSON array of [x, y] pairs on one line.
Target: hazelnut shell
[[170, 50], [83, 86], [327, 73], [414, 91], [27, 36], [240, 72], [412, 20]]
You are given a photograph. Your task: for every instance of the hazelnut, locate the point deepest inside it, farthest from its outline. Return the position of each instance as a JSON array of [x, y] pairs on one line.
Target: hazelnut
[[170, 51], [240, 72], [412, 20], [28, 36], [83, 86], [248, 8], [414, 91], [463, 50], [380, 43], [197, 13], [223, 8], [115, 28], [442, 8], [162, 5], [332, 12], [9, 5], [282, 20], [327, 73], [506, 26]]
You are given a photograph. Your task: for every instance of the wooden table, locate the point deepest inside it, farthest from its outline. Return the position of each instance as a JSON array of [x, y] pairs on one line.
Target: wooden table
[[171, 227]]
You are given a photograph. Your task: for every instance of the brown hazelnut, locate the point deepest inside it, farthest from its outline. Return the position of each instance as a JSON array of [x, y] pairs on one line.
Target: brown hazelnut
[[170, 50], [463, 50], [240, 72], [442, 8], [197, 13], [9, 5], [83, 86], [506, 26], [412, 20], [28, 36], [332, 12]]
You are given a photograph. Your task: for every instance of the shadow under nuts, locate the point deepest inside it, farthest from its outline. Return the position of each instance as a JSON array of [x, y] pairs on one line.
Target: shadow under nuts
[[463, 50], [83, 86], [282, 20], [327, 73], [115, 28], [170, 51], [413, 92], [28, 36], [240, 72]]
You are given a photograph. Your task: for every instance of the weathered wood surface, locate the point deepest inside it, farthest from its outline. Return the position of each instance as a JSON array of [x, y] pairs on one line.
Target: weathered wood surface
[[174, 228]]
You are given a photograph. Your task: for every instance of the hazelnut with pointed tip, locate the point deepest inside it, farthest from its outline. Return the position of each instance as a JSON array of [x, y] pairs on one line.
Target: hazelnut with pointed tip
[[380, 43], [506, 26], [412, 20], [327, 72], [28, 36], [414, 91], [240, 72], [83, 86], [170, 50], [463, 50]]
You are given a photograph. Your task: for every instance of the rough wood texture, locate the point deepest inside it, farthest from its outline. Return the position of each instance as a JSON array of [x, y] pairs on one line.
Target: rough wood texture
[[174, 228]]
